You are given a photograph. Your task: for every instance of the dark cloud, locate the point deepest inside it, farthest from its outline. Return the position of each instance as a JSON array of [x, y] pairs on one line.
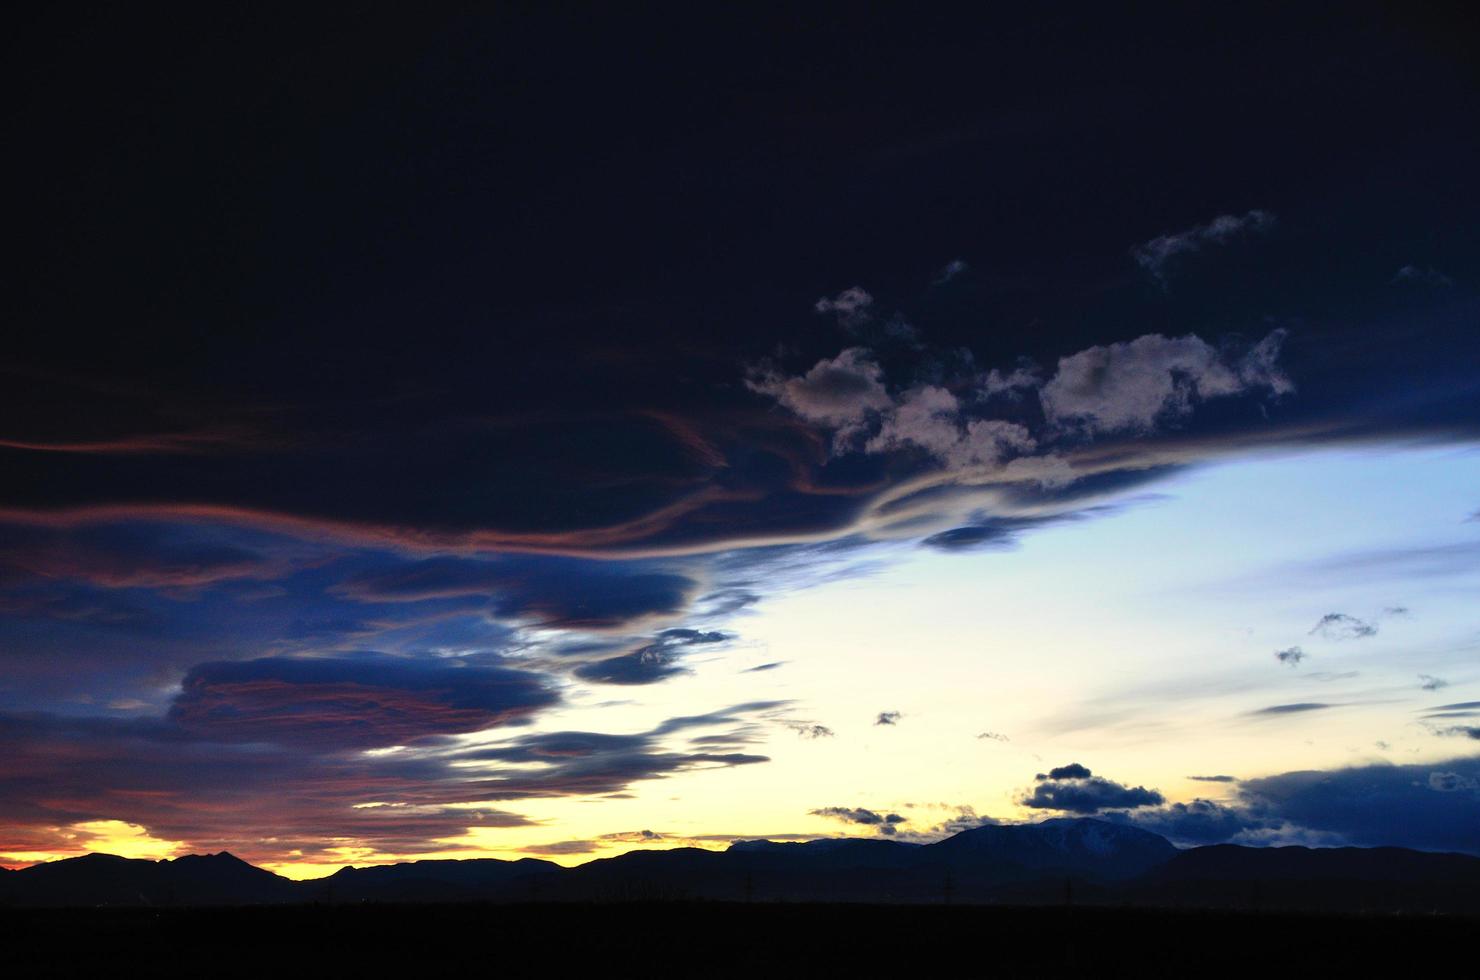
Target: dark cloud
[[1074, 789], [994, 736], [726, 602], [1428, 806], [651, 662], [262, 801], [1290, 656], [134, 554], [1213, 779], [1377, 805], [993, 532], [359, 701], [563, 847], [587, 763], [1089, 796], [1191, 824], [725, 716], [1340, 626], [602, 425], [82, 604], [810, 730], [888, 718], [1296, 708], [1005, 533], [555, 591], [271, 801], [318, 469], [1428, 682], [884, 823], [764, 667]]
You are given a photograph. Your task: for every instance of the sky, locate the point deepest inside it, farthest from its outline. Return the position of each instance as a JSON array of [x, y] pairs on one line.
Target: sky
[[550, 433]]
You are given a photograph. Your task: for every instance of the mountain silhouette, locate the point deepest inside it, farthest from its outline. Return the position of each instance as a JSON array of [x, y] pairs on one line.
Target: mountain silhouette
[[103, 879], [436, 881], [1066, 846], [1084, 861]]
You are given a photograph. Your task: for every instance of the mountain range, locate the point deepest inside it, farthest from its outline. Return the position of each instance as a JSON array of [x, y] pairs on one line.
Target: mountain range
[[1078, 861]]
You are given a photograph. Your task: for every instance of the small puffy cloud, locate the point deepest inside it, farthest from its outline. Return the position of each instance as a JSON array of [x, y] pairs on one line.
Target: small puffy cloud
[[809, 729], [1453, 782], [1132, 386], [839, 392], [1011, 384], [884, 823], [1428, 682], [1158, 255], [994, 737], [1072, 771], [851, 306], [1290, 656], [888, 718], [1340, 626], [951, 270]]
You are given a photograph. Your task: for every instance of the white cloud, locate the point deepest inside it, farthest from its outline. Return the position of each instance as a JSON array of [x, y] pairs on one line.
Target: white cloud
[[1131, 386]]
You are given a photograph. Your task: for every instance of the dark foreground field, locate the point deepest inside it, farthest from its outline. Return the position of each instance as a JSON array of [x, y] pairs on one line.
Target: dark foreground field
[[716, 939]]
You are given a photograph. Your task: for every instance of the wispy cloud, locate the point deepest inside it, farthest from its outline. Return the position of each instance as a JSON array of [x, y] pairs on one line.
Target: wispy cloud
[[1340, 626], [1161, 253]]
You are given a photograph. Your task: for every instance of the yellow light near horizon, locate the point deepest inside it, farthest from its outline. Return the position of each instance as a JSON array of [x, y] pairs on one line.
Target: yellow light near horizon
[[117, 837], [124, 839]]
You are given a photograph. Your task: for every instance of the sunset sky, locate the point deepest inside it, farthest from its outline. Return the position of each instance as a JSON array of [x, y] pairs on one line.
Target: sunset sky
[[550, 435]]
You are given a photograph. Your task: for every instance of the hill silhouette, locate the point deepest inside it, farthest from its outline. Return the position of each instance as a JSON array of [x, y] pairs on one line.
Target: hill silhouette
[[1079, 861]]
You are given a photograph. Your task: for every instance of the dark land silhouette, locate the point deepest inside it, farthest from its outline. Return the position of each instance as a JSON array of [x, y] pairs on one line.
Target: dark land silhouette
[[721, 939], [1070, 862]]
